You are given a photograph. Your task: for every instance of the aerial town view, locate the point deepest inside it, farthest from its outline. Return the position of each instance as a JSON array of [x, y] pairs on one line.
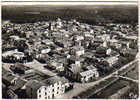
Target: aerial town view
[[70, 58]]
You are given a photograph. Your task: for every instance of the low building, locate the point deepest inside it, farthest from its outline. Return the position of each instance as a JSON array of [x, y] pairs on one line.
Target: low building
[[47, 42], [115, 45], [45, 50], [88, 75], [18, 87], [78, 38], [101, 50], [8, 78], [77, 50], [112, 60], [56, 65], [15, 53], [131, 37], [20, 68], [128, 53]]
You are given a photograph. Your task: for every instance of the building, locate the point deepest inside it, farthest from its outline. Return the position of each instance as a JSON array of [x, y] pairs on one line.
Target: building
[[56, 86], [78, 38], [15, 53], [47, 42], [45, 50], [56, 65], [18, 87], [73, 71], [88, 75], [47, 89], [8, 78], [32, 89], [18, 84], [20, 68], [112, 60], [77, 50]]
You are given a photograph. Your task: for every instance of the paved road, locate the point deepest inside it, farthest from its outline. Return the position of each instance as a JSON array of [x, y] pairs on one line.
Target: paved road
[[128, 79], [34, 65], [39, 67], [78, 88]]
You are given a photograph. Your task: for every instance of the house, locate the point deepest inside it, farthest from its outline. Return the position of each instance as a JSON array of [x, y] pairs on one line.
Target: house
[[18, 87], [112, 60], [56, 65], [131, 37], [101, 50], [15, 37], [105, 37], [58, 48], [45, 50], [128, 53], [77, 51], [46, 89], [88, 75], [78, 38], [116, 45], [63, 42], [43, 58], [19, 68], [8, 78], [47, 42], [93, 44], [108, 51], [14, 53]]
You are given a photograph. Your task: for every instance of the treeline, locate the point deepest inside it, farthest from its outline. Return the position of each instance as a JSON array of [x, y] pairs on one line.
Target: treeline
[[90, 15]]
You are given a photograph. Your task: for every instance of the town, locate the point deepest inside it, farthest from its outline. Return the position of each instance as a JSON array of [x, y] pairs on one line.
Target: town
[[51, 59]]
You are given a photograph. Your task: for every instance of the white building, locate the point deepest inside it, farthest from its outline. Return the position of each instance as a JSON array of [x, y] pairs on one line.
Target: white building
[[48, 89], [46, 50], [89, 75], [112, 60], [14, 53], [78, 38]]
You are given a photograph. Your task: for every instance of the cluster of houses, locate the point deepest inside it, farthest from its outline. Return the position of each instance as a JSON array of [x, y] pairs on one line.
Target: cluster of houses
[[76, 51], [24, 82]]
